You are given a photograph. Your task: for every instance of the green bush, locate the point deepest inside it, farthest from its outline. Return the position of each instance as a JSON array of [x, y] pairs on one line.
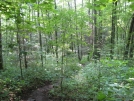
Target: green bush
[[107, 80]]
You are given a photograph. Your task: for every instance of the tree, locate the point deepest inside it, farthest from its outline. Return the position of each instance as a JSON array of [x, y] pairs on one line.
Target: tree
[[39, 32], [113, 31], [130, 41], [56, 33], [96, 53], [1, 58], [18, 21]]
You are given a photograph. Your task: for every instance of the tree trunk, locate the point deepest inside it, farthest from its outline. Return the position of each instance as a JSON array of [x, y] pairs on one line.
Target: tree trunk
[[130, 43], [77, 34], [25, 54], [56, 35], [114, 22], [1, 58], [96, 54], [18, 22], [40, 35]]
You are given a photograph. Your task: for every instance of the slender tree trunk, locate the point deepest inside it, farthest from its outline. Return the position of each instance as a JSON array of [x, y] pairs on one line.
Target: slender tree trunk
[[96, 54], [132, 46], [25, 53], [7, 51], [18, 21], [130, 42], [81, 36], [40, 35], [114, 22], [46, 42], [100, 40], [71, 37], [100, 43], [62, 63], [24, 47], [117, 38], [77, 34], [1, 58], [132, 38], [49, 46], [89, 12], [56, 35]]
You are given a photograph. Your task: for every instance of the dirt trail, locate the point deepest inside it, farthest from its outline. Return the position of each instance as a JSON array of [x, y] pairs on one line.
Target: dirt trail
[[40, 94]]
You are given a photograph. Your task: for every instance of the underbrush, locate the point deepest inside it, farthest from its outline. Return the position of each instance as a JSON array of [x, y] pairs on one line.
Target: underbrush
[[12, 85], [107, 80]]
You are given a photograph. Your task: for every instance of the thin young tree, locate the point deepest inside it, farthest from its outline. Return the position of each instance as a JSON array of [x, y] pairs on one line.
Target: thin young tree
[[56, 33], [113, 32], [18, 22], [1, 58], [77, 33], [24, 44], [96, 54], [40, 34], [71, 37], [130, 41]]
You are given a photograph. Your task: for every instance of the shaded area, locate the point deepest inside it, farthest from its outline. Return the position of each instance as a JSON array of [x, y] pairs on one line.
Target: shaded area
[[40, 94]]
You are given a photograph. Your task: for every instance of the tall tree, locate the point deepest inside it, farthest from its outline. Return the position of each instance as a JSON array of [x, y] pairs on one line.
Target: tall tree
[[77, 32], [56, 33], [130, 41], [1, 58], [114, 23], [39, 31], [96, 54], [18, 22]]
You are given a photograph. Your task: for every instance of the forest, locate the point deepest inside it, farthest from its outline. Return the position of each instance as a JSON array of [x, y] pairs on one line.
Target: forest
[[66, 50]]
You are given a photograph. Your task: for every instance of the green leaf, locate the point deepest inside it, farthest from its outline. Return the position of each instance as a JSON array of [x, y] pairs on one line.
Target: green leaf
[[33, 1], [130, 0], [132, 6], [27, 1], [101, 96]]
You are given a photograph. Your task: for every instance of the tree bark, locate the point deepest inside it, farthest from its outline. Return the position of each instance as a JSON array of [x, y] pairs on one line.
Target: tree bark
[[130, 43], [114, 22], [1, 58], [77, 34], [56, 35], [96, 54], [40, 35], [18, 21]]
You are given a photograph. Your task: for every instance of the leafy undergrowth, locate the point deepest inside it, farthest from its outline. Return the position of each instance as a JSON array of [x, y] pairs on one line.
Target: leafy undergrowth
[[107, 80], [12, 86]]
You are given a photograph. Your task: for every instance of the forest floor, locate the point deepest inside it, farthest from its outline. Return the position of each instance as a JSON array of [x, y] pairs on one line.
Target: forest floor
[[39, 94]]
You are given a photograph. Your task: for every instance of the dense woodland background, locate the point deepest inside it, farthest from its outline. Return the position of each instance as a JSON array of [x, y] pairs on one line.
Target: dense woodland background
[[81, 46]]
